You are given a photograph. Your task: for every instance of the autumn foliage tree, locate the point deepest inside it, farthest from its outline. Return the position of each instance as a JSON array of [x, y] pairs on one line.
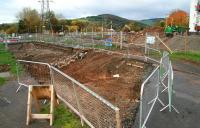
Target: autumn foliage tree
[[178, 18]]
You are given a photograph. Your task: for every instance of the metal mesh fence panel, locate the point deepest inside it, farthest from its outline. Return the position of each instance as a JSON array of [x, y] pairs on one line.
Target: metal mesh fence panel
[[93, 109], [33, 73], [149, 95], [165, 61], [64, 88]]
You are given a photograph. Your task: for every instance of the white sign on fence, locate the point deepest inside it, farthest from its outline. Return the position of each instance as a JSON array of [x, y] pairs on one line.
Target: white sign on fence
[[150, 39]]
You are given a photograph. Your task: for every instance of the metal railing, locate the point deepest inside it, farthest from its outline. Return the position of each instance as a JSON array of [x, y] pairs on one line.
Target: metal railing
[[148, 96], [33, 73]]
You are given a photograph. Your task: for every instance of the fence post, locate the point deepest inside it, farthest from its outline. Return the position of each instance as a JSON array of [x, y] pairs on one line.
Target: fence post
[[118, 120], [93, 37], [186, 41], [140, 120], [170, 91], [121, 34], [145, 44], [78, 104]]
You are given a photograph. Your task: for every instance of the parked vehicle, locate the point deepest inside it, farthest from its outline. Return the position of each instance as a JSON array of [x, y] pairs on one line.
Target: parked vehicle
[[11, 40]]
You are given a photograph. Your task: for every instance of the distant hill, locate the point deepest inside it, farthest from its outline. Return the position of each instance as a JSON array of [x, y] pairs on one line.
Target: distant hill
[[117, 22], [151, 22]]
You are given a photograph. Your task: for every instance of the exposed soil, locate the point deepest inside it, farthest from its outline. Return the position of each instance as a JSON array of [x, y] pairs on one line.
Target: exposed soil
[[96, 70], [4, 68]]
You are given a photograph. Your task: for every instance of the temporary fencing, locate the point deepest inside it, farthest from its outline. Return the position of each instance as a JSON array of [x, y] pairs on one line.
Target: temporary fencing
[[162, 76], [148, 96], [92, 109], [33, 73]]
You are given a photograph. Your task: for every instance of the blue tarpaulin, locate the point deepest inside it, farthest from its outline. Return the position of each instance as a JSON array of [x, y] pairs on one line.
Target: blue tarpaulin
[[108, 42]]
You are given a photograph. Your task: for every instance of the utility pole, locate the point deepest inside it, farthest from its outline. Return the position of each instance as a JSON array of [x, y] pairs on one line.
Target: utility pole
[[45, 15], [102, 27], [111, 30], [93, 37], [121, 40]]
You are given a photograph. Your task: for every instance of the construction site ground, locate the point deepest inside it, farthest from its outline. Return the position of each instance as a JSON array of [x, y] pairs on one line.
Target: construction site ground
[[186, 100], [96, 71], [112, 76]]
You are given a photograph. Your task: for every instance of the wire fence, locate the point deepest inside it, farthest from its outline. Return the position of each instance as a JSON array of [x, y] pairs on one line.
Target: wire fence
[[185, 43], [92, 109], [81, 40], [148, 96], [33, 73], [161, 77]]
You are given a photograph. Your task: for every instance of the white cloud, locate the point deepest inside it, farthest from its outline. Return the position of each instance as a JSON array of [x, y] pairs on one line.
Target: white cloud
[[132, 9]]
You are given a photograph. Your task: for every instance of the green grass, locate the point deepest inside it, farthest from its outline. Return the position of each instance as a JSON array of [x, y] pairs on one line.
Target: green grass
[[2, 81], [192, 56], [63, 118], [7, 57]]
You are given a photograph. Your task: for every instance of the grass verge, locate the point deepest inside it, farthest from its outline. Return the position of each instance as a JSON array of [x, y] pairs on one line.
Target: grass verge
[[7, 58], [2, 81], [191, 56], [63, 118]]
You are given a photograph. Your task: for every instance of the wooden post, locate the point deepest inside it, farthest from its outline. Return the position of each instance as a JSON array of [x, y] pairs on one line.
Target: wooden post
[[186, 40], [118, 120], [29, 104], [32, 92], [145, 44], [165, 45], [121, 40], [52, 104], [92, 37]]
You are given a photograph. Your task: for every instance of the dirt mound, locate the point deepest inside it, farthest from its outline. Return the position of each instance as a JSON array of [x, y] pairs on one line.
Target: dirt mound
[[4, 68], [158, 30], [97, 71], [28, 46]]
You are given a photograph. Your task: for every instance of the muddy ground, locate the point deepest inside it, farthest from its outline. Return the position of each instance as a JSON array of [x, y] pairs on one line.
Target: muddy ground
[[95, 69]]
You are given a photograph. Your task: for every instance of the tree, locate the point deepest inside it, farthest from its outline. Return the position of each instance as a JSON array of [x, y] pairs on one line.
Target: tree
[[162, 23], [131, 27], [12, 29], [22, 26], [126, 28], [178, 18], [28, 20], [80, 23]]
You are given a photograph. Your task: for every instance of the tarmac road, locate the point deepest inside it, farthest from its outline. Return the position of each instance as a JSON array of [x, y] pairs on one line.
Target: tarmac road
[[186, 100], [13, 108]]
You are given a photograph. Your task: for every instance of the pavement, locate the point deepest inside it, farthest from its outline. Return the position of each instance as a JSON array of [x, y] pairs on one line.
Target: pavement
[[186, 100], [13, 108], [5, 74]]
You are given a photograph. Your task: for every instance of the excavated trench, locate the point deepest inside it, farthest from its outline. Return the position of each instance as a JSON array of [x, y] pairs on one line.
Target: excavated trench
[[95, 69]]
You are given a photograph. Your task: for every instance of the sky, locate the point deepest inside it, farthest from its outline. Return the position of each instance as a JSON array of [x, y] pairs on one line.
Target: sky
[[130, 9]]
